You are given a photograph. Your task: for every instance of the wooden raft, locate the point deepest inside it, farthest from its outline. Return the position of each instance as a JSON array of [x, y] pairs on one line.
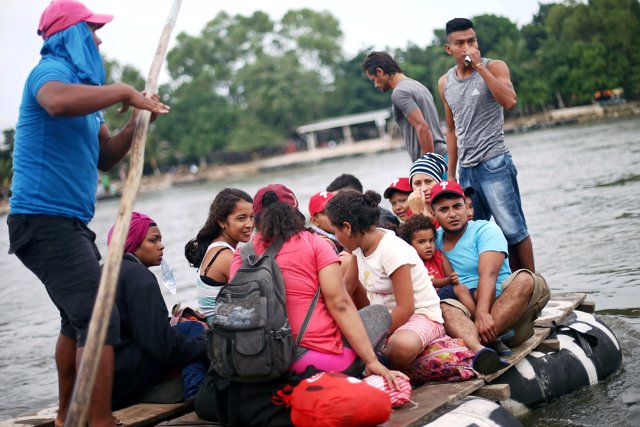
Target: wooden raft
[[428, 398], [432, 397], [142, 414]]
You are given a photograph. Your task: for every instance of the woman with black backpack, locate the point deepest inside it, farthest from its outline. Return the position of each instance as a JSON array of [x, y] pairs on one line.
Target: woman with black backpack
[[336, 338]]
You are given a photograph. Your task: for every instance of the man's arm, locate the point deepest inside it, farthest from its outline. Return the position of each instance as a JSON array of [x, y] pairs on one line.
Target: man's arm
[[496, 77], [488, 268], [452, 140], [422, 130], [67, 99], [113, 148], [403, 100]]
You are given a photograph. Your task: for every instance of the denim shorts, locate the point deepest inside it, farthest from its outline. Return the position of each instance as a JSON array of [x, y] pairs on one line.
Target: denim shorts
[[497, 194], [62, 253], [445, 292]]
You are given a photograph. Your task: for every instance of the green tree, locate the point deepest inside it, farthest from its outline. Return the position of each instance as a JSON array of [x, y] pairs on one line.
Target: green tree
[[315, 36], [352, 91], [492, 33], [225, 45], [280, 92], [6, 162], [270, 76], [609, 33], [128, 74], [199, 122]]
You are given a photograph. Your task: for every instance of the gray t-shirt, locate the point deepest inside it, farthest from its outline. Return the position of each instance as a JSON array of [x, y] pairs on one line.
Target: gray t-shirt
[[478, 117], [408, 96]]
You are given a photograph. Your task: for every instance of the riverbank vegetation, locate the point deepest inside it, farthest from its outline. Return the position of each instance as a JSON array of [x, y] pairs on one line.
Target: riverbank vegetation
[[241, 86]]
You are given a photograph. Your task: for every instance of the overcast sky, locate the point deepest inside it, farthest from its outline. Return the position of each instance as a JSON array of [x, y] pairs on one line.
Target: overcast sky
[[133, 35]]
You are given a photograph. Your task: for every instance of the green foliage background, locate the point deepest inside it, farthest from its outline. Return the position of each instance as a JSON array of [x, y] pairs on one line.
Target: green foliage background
[[241, 87]]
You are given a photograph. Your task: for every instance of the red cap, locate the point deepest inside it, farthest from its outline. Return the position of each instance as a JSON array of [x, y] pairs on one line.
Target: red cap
[[283, 194], [62, 14], [398, 184], [446, 187], [319, 201]]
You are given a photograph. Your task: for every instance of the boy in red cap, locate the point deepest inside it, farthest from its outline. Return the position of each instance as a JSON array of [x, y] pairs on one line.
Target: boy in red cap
[[321, 223], [398, 195], [61, 141]]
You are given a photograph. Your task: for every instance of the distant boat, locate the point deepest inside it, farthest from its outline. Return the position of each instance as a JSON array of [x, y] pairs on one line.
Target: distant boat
[[114, 194], [188, 180]]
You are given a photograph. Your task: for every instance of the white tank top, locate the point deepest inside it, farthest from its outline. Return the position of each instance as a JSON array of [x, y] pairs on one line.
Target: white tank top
[[206, 293]]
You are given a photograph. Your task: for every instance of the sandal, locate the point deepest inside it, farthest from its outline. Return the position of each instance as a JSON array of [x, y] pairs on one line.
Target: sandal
[[500, 347], [487, 361]]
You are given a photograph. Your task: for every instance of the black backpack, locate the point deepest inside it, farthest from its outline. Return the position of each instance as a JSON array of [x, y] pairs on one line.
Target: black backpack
[[250, 339]]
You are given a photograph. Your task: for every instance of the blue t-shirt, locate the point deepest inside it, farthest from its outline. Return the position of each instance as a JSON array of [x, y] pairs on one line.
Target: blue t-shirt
[[55, 159], [480, 236]]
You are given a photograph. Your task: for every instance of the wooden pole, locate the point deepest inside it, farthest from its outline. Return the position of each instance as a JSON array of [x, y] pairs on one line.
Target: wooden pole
[[86, 375]]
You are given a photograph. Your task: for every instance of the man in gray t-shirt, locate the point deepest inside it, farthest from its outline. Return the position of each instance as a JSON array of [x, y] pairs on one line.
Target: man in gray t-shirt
[[475, 93], [413, 106]]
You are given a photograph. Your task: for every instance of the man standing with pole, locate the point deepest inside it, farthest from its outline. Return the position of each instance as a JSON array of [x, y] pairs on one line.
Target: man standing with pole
[[475, 92], [413, 106], [61, 141]]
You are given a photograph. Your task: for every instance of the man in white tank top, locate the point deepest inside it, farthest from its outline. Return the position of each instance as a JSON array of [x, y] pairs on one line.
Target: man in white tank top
[[475, 93]]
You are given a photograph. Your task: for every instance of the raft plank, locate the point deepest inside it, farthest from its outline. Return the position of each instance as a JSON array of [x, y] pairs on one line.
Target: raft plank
[[548, 346], [494, 392], [430, 398], [190, 419], [132, 416], [42, 418], [559, 307], [587, 307], [144, 414]]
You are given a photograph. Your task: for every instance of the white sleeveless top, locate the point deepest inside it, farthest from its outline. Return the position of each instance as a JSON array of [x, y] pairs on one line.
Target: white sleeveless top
[[206, 293]]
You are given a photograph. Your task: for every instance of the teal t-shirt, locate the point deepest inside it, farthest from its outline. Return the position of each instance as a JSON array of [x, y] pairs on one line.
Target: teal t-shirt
[[480, 236], [55, 159]]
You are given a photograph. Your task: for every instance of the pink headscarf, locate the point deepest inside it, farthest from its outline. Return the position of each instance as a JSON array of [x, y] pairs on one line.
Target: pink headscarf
[[138, 228]]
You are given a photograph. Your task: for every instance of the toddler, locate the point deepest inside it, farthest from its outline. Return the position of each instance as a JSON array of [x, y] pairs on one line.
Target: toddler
[[420, 233]]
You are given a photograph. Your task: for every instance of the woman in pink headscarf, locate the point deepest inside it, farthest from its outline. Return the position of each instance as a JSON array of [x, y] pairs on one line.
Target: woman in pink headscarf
[[149, 347], [139, 227]]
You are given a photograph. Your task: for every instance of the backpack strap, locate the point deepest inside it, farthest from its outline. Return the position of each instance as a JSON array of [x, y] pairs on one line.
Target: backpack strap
[[312, 307], [273, 249], [249, 251]]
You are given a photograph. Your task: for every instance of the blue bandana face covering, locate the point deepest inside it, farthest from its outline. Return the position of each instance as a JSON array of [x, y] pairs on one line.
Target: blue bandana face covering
[[75, 46]]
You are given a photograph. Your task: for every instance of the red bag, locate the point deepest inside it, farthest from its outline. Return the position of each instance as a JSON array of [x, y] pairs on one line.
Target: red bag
[[330, 399]]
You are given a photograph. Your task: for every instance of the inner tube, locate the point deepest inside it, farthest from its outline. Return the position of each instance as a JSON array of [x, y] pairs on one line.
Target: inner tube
[[473, 411], [589, 352]]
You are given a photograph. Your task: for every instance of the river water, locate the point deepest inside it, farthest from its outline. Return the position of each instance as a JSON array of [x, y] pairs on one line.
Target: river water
[[580, 187]]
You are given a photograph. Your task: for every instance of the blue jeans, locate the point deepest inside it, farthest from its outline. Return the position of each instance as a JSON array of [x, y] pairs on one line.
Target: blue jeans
[[193, 373], [497, 194]]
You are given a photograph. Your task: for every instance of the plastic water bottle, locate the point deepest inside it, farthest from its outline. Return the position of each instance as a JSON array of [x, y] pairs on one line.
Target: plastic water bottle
[[168, 278]]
